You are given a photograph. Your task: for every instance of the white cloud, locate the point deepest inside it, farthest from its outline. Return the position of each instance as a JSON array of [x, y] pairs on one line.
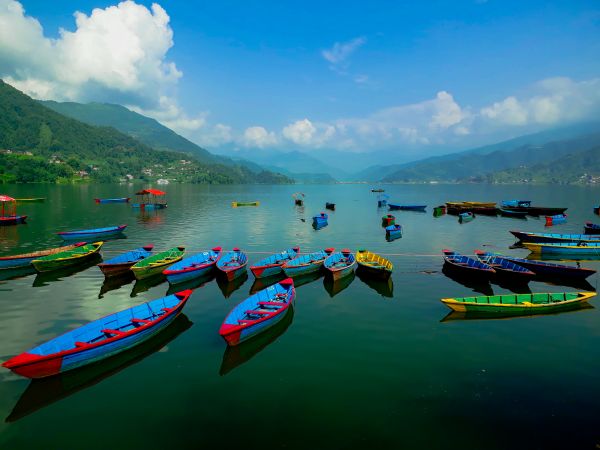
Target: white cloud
[[305, 133], [508, 111], [340, 51], [258, 137]]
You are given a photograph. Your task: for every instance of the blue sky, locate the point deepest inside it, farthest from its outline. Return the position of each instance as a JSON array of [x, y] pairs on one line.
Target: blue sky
[[407, 77]]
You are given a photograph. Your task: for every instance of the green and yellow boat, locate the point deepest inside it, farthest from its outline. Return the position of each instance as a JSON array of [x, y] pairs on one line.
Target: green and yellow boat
[[519, 304], [373, 264], [73, 257], [155, 264], [31, 200], [236, 204]]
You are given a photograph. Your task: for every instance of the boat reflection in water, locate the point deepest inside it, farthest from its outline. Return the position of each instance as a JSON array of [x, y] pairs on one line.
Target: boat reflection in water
[[237, 355], [384, 287], [579, 284], [146, 284], [45, 391], [333, 288], [192, 284], [44, 278], [20, 272], [516, 286], [229, 287], [476, 285], [308, 278], [263, 283], [457, 315], [115, 282]]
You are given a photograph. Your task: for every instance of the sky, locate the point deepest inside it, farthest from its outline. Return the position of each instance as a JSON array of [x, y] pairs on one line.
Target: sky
[[395, 78]]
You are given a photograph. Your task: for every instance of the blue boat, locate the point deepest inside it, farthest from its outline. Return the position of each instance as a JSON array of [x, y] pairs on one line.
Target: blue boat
[[122, 263], [393, 231], [382, 200], [112, 200], [193, 266], [320, 220], [466, 217], [505, 267], [464, 265], [591, 228], [393, 206], [565, 248], [556, 219], [550, 269], [233, 264], [93, 234], [271, 265], [340, 264], [309, 263], [258, 312], [528, 236], [516, 203], [99, 339], [507, 212]]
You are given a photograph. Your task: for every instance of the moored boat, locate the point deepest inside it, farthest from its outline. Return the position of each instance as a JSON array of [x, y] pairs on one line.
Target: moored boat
[[155, 264], [528, 236], [466, 265], [439, 210], [31, 200], [516, 203], [591, 228], [393, 232], [8, 212], [378, 190], [112, 200], [466, 217], [388, 220], [393, 206], [308, 263], [554, 220], [509, 212], [78, 255], [233, 264], [93, 233], [596, 210], [298, 198], [99, 339], [545, 269], [150, 199], [330, 206], [505, 267], [382, 200], [24, 259], [373, 264], [258, 312], [236, 204], [565, 248], [340, 264], [122, 263], [271, 265], [193, 266], [320, 221], [523, 304], [525, 206]]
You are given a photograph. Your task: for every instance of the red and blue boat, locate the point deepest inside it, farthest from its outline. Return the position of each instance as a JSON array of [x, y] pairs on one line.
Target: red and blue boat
[[320, 221], [542, 268], [388, 220], [193, 267], [112, 200], [271, 265], [8, 214], [233, 264], [99, 339], [466, 266], [528, 236], [505, 267], [258, 312], [24, 259], [556, 219], [591, 228], [309, 263], [340, 264], [122, 263], [93, 233]]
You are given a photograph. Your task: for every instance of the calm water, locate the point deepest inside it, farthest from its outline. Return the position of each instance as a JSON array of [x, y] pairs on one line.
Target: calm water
[[359, 365]]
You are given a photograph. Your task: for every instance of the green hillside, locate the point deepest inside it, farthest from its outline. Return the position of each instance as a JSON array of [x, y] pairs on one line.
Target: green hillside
[[40, 145]]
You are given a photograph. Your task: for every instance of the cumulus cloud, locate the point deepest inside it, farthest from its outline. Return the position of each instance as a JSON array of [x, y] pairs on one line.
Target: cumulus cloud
[[258, 137], [305, 133]]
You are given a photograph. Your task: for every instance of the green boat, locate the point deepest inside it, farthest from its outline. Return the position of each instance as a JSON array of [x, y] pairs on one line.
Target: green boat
[[155, 264], [519, 304], [31, 200], [68, 258]]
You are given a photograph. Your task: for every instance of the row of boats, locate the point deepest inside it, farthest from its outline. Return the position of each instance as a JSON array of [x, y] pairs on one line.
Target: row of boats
[[586, 244]]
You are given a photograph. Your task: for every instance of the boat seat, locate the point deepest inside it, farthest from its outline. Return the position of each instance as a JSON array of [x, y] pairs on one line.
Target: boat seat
[[110, 331], [167, 310], [140, 321], [246, 321], [270, 304], [81, 344], [258, 311]]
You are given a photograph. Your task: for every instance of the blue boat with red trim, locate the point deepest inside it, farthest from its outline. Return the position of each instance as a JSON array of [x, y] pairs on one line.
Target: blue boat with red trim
[[320, 221], [556, 219], [258, 312], [122, 263], [340, 264], [591, 228], [193, 267], [271, 265], [233, 264], [464, 265], [99, 339], [543, 268], [393, 206], [112, 200], [528, 236], [505, 267], [93, 233], [309, 263], [393, 232]]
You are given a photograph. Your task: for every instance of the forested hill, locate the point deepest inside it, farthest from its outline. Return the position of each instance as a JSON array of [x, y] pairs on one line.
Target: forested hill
[[40, 145]]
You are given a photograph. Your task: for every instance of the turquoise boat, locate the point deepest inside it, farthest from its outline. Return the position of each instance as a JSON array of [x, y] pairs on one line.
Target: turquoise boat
[[340, 264], [565, 248], [309, 263]]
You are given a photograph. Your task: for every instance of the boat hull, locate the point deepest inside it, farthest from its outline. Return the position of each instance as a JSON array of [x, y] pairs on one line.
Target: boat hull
[[144, 272], [74, 235], [112, 200], [112, 270], [31, 200], [539, 210], [42, 265], [550, 249], [190, 275], [267, 271], [12, 220], [149, 206], [232, 274], [556, 270], [295, 271], [539, 238], [342, 273]]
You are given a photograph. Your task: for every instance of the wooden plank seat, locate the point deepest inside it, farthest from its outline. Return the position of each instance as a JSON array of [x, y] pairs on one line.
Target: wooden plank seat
[[270, 304], [256, 311], [140, 321], [111, 331], [81, 344]]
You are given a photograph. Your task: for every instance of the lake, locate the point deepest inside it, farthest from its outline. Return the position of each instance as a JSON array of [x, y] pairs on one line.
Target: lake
[[359, 365]]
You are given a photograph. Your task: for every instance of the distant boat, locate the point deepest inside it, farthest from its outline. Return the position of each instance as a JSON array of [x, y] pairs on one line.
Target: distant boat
[[122, 263], [298, 198], [591, 228], [24, 259], [378, 190], [112, 200], [193, 266], [80, 254], [525, 206], [393, 206], [596, 210], [508, 212], [330, 206], [393, 232], [505, 267], [466, 217], [236, 204], [439, 211], [528, 236], [340, 264], [467, 266], [373, 264], [148, 200], [99, 339], [31, 200], [233, 264], [320, 220], [272, 265], [556, 219], [543, 268], [258, 312], [8, 212], [155, 264], [388, 220], [93, 233], [565, 248], [308, 263]]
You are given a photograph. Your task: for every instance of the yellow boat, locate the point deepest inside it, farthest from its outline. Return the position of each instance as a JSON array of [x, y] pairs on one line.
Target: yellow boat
[[374, 264], [236, 204], [480, 204]]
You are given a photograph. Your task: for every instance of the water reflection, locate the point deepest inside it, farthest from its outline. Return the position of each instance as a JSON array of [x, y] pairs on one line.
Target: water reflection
[[458, 315], [43, 392], [237, 355], [263, 283], [476, 285], [307, 278], [384, 287], [45, 278], [229, 287], [146, 284], [579, 284], [115, 282], [13, 274], [192, 284], [334, 287], [155, 217]]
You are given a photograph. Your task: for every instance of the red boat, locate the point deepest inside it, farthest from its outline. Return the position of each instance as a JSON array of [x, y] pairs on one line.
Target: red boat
[[8, 214]]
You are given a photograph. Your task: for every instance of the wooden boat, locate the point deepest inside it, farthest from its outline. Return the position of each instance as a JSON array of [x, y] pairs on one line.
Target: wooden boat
[[93, 233], [258, 312], [24, 259], [456, 208], [466, 217], [528, 236], [233, 264], [31, 200], [155, 264], [519, 303], [112, 200], [393, 232], [298, 198], [150, 199], [78, 255], [236, 204], [330, 206], [591, 228], [382, 200], [378, 190], [525, 206], [320, 220], [388, 220], [407, 207], [340, 264], [516, 203], [373, 264], [542, 268], [509, 212], [565, 248], [122, 263], [467, 266], [554, 220], [8, 212], [308, 263], [481, 204], [99, 339], [272, 265], [439, 210], [597, 210], [505, 267], [193, 266]]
